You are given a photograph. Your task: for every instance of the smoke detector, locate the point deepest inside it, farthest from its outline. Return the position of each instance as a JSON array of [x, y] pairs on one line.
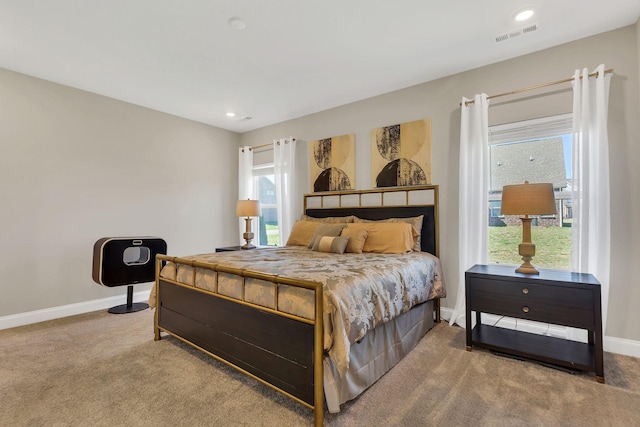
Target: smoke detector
[[236, 23], [515, 33]]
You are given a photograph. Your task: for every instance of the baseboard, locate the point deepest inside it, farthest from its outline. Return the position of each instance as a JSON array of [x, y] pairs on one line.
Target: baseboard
[[36, 316], [622, 346], [611, 344]]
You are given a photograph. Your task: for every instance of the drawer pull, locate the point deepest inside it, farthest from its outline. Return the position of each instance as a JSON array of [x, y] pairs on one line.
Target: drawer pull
[[525, 309], [525, 291]]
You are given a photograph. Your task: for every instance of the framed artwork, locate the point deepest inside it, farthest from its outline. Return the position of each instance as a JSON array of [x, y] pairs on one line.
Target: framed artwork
[[401, 154], [333, 163]]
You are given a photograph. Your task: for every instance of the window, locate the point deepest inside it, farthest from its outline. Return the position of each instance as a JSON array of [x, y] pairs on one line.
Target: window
[[265, 188], [536, 151]]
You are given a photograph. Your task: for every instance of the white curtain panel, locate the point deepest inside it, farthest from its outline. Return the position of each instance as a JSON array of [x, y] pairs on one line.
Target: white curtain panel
[[473, 193], [245, 185], [284, 153], [591, 227]]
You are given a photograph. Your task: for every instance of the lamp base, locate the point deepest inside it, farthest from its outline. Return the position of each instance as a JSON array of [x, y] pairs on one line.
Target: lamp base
[[527, 268], [527, 250], [247, 236]]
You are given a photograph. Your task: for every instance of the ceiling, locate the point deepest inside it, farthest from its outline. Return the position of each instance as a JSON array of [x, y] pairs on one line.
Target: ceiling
[[293, 58]]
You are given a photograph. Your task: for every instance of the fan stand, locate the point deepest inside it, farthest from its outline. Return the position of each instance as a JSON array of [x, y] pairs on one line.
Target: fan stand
[[130, 306]]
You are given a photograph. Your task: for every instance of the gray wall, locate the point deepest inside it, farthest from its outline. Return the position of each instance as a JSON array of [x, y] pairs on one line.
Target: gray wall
[[76, 167], [439, 100]]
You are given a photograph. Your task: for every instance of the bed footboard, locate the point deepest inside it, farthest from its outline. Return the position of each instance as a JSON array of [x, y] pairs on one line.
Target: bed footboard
[[281, 350]]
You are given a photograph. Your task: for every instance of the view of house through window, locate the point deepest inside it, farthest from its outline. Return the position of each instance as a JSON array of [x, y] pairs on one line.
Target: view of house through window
[[265, 188], [536, 151]]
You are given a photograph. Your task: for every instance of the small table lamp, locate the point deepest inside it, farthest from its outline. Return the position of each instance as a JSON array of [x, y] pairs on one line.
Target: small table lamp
[[248, 208], [528, 199]]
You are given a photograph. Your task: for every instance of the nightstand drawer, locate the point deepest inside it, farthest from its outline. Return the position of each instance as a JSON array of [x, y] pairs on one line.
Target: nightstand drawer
[[544, 303]]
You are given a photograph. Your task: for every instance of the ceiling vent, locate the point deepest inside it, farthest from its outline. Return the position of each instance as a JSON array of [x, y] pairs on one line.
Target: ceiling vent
[[516, 33]]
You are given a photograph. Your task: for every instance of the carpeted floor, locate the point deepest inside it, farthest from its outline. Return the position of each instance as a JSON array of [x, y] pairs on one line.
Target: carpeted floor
[[100, 369]]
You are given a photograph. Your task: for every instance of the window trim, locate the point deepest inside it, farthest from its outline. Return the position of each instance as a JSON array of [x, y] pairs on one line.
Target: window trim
[[543, 127], [525, 131], [260, 170]]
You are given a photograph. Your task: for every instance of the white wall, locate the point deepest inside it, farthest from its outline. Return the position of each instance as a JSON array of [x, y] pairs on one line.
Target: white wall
[[439, 100], [76, 166]]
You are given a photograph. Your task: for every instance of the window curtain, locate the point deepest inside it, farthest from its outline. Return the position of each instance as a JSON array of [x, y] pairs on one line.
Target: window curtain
[[473, 193], [284, 153], [245, 184], [591, 227]]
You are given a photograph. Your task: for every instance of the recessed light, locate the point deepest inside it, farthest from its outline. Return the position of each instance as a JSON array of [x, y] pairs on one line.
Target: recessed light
[[524, 15], [230, 114], [236, 23]]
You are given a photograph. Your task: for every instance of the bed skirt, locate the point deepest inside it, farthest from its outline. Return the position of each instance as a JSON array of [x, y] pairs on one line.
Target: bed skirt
[[374, 355]]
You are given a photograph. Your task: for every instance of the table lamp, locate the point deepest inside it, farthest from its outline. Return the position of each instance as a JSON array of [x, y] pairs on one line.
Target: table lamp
[[528, 199], [247, 209]]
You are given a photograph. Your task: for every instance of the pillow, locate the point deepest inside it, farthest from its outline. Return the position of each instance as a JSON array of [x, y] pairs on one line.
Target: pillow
[[325, 229], [330, 219], [357, 234], [389, 238], [301, 233], [416, 221], [331, 244]]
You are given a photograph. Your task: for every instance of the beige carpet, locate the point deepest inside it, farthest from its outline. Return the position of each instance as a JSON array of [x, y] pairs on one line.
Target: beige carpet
[[101, 369]]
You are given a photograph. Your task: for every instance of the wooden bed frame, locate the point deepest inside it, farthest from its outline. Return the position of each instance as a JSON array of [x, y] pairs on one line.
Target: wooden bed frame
[[281, 350]]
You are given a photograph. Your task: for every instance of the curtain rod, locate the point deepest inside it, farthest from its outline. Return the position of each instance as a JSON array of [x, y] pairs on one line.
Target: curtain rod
[[595, 73], [256, 147], [260, 146]]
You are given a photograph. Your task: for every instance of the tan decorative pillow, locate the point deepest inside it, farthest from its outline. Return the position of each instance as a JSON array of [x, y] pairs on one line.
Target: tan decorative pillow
[[330, 219], [389, 238], [357, 234], [302, 232], [416, 221], [331, 244], [326, 229]]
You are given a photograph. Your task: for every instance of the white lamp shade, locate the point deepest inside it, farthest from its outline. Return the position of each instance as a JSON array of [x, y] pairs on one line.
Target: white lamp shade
[[528, 199], [247, 208]]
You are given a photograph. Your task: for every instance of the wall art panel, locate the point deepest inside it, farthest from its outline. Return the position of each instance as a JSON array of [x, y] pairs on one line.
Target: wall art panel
[[333, 163], [401, 154]]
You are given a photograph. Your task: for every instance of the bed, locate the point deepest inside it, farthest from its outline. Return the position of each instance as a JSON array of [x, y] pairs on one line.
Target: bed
[[308, 322]]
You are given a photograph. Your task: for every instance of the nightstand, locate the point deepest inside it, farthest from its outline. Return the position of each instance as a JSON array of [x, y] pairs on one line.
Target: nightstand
[[237, 248], [554, 296]]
